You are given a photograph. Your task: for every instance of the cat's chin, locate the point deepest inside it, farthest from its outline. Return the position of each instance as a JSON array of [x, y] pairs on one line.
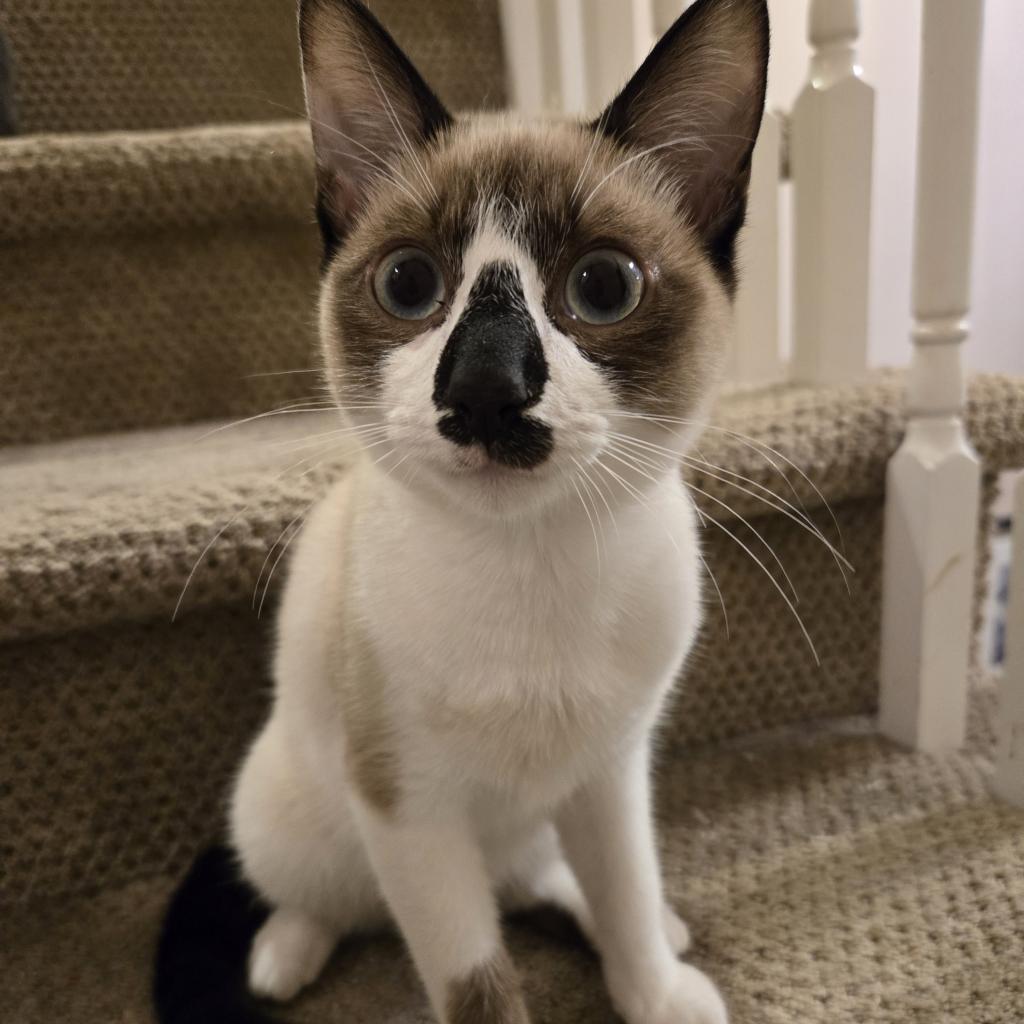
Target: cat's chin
[[489, 487]]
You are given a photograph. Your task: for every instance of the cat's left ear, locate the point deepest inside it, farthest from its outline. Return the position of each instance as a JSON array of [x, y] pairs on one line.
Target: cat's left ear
[[367, 105], [696, 104]]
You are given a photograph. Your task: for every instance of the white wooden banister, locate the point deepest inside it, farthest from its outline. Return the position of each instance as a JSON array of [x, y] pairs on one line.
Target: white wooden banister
[[933, 480], [1009, 777], [832, 145]]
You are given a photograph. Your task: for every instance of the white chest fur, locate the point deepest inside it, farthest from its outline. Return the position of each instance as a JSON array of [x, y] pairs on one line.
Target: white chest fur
[[514, 656]]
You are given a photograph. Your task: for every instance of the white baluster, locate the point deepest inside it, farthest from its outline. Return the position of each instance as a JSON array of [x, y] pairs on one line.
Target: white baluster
[[618, 36], [665, 13], [755, 357], [572, 56], [831, 159], [933, 485], [1009, 778], [529, 58]]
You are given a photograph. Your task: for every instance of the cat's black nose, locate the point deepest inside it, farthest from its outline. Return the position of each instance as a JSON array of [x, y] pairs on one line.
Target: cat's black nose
[[488, 397], [492, 371]]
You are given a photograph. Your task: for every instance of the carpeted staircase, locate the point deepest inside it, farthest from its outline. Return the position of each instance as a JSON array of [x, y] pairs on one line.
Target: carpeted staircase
[[157, 273]]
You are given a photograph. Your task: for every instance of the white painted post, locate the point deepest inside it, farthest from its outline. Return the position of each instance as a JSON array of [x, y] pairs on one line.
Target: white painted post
[[933, 480], [666, 12], [832, 145], [755, 357], [1009, 777], [619, 35], [527, 55], [572, 56]]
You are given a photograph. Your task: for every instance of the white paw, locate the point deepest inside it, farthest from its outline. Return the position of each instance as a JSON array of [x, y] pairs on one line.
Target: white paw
[[676, 932], [687, 996], [288, 952]]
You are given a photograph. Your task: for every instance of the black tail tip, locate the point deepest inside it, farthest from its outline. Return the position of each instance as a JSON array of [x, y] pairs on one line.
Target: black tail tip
[[200, 971]]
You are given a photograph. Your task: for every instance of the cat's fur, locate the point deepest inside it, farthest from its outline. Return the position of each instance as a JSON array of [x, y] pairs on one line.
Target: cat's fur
[[474, 648]]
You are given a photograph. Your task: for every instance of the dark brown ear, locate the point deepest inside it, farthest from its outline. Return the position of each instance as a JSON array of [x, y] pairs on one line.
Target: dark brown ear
[[696, 105], [367, 105]]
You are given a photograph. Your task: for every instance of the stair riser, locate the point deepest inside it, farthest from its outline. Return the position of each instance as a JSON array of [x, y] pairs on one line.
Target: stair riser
[[167, 63], [115, 333]]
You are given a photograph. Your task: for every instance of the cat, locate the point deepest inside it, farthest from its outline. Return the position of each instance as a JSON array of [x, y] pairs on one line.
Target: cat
[[522, 321]]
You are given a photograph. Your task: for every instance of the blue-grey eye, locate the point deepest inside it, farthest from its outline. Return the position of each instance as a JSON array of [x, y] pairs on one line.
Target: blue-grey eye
[[408, 284], [604, 286]]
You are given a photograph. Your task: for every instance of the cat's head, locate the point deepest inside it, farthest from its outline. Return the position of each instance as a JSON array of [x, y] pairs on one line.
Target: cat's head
[[509, 304]]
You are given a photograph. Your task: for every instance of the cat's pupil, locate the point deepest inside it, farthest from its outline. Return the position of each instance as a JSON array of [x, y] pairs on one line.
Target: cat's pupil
[[412, 282], [603, 285]]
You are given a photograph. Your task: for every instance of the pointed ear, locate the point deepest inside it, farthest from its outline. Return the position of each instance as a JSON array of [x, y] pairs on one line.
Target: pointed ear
[[367, 105], [696, 104]]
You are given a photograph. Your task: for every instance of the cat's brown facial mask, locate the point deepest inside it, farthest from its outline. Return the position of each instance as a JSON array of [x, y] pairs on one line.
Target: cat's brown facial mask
[[513, 299]]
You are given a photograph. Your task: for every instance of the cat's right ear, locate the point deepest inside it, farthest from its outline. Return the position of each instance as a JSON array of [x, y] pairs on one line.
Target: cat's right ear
[[367, 104]]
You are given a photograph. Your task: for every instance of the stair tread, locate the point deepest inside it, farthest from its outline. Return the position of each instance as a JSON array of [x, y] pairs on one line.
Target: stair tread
[[110, 527], [826, 876], [106, 528]]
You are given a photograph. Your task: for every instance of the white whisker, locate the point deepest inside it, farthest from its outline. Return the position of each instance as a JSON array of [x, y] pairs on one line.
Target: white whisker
[[718, 589], [697, 140], [593, 526], [270, 551], [297, 523], [758, 446], [280, 373], [263, 416], [786, 508], [584, 473], [339, 433], [729, 509], [775, 583]]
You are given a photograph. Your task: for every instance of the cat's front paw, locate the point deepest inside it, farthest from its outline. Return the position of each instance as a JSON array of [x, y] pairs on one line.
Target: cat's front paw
[[685, 996], [288, 952]]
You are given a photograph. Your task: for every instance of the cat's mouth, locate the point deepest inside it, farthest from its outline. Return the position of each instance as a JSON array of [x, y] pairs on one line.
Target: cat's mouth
[[523, 442]]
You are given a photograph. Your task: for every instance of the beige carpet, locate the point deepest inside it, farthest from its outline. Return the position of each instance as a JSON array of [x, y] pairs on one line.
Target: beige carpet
[[828, 878], [121, 64]]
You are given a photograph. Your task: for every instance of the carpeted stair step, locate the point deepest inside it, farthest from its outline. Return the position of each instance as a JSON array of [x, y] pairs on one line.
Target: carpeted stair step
[[125, 726], [826, 877], [146, 276], [124, 65], [113, 524]]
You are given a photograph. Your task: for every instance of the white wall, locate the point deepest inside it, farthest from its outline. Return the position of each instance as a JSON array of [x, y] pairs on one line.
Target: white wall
[[890, 55]]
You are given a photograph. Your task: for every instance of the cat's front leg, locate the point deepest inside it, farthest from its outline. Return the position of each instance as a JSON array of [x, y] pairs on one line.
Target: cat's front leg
[[608, 836], [433, 876]]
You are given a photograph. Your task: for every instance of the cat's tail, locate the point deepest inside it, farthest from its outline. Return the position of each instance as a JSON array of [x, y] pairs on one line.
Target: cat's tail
[[204, 946]]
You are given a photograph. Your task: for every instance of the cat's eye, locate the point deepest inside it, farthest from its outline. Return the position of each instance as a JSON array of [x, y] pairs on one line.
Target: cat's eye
[[604, 286], [408, 284]]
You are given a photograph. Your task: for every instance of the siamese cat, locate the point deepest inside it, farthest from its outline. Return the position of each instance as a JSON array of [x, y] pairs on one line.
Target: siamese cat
[[521, 322]]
